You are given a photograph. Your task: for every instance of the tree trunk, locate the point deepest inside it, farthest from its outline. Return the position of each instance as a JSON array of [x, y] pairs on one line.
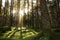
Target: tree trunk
[[0, 5], [1, 22], [11, 14], [45, 19]]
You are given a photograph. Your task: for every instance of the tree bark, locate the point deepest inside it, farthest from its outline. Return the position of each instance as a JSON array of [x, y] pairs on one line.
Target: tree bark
[[11, 14], [45, 19]]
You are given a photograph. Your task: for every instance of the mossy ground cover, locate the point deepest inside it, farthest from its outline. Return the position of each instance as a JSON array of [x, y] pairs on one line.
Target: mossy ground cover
[[27, 34]]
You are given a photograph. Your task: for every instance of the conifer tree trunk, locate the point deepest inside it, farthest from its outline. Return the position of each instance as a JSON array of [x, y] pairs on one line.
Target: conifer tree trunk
[[45, 19], [11, 14], [0, 5], [1, 13], [6, 12]]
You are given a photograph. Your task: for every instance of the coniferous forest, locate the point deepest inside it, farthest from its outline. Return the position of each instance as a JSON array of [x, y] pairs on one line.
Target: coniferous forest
[[29, 19]]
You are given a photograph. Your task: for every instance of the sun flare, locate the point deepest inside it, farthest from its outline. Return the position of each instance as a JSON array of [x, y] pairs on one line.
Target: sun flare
[[21, 13], [3, 3]]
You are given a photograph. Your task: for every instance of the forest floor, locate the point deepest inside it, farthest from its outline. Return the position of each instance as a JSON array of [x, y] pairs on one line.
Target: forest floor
[[25, 34]]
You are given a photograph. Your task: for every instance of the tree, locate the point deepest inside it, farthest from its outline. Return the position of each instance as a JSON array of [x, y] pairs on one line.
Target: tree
[[1, 12], [11, 14], [6, 13], [0, 5], [45, 18]]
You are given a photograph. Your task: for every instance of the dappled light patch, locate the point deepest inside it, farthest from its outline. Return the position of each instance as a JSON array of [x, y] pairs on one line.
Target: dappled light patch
[[6, 34], [11, 34], [16, 35], [29, 34]]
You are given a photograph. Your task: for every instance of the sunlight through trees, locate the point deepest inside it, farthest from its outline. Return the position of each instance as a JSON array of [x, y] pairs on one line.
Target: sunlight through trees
[[32, 19]]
